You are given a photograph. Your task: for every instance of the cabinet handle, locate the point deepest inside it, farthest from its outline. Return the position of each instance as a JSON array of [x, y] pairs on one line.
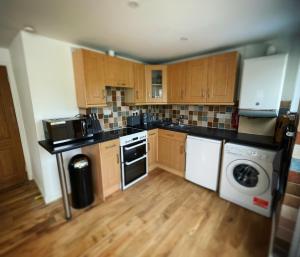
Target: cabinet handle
[[152, 134], [110, 146], [207, 93], [181, 151], [137, 94], [202, 92], [103, 93], [170, 135], [118, 159], [148, 147]]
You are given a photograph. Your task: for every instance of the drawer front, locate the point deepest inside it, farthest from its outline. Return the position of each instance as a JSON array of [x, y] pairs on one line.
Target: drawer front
[[152, 132], [106, 146], [178, 136]]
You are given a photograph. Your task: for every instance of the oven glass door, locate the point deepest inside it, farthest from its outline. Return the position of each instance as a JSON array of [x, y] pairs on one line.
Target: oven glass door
[[134, 151], [133, 171]]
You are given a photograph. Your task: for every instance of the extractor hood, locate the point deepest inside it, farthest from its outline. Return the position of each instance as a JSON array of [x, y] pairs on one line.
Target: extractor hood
[[262, 84]]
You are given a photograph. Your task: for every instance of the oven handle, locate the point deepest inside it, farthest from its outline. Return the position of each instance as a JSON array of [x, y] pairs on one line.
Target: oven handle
[[136, 160], [134, 146]]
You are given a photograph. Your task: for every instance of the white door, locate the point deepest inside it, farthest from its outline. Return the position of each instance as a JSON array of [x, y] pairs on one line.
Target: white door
[[202, 161]]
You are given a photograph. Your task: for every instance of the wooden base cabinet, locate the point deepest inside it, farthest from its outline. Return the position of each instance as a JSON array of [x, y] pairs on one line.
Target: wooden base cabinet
[[171, 151], [105, 158], [152, 149]]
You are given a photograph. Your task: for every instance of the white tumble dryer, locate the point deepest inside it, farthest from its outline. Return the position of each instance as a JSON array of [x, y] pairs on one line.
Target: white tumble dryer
[[246, 177]]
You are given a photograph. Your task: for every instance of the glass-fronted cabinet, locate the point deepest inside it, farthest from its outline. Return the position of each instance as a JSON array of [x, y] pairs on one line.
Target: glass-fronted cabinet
[[156, 83]]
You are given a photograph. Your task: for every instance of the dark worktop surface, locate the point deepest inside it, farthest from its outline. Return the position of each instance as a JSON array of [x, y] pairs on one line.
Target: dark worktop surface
[[212, 133], [219, 134]]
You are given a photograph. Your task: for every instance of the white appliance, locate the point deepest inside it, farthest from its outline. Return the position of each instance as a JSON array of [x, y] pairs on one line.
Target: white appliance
[[246, 177], [202, 161], [134, 161], [261, 86]]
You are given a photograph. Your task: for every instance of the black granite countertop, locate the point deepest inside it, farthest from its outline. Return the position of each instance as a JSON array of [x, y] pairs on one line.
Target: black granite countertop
[[98, 138], [212, 133], [219, 134]]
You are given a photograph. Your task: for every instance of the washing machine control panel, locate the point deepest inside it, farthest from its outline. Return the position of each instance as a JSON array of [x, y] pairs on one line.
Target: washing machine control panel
[[249, 152]]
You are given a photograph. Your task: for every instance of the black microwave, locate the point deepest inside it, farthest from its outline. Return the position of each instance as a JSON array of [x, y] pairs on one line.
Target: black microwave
[[62, 130]]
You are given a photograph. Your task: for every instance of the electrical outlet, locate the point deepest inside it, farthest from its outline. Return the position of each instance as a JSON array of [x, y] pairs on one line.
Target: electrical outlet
[[107, 111]]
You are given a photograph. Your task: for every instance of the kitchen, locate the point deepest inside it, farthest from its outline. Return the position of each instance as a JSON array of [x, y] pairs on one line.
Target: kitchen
[[179, 108]]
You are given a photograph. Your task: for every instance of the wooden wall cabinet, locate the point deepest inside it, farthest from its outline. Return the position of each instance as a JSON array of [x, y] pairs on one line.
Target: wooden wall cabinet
[[118, 72], [171, 151], [156, 83], [177, 74], [196, 86], [210, 80], [152, 149], [222, 74], [139, 83], [89, 78], [105, 158]]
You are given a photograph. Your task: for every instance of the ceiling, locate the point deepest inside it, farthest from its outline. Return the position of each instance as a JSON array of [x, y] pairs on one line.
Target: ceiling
[[152, 31]]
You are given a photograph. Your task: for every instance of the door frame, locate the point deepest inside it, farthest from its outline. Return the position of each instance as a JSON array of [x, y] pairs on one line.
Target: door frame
[[5, 60]]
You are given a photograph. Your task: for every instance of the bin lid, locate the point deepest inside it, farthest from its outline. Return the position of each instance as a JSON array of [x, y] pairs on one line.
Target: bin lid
[[81, 164]]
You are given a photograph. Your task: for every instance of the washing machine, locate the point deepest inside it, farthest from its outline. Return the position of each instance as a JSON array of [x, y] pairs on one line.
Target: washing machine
[[246, 177]]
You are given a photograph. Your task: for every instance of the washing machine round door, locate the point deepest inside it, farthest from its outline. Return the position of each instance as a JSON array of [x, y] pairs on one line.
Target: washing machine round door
[[247, 177]]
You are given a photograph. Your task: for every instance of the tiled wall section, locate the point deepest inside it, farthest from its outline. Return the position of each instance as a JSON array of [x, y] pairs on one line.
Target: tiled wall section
[[116, 113], [199, 115]]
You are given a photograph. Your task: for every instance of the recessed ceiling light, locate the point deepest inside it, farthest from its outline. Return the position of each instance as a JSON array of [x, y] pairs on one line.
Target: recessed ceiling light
[[183, 38], [133, 4], [29, 29]]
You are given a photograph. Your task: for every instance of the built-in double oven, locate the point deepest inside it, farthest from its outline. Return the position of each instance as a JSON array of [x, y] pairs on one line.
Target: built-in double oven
[[134, 159]]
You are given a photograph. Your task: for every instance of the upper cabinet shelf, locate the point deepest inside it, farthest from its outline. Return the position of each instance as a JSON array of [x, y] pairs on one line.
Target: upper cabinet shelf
[[210, 80]]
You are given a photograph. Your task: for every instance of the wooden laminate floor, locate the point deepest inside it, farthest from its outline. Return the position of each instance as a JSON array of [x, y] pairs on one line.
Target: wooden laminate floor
[[163, 215]]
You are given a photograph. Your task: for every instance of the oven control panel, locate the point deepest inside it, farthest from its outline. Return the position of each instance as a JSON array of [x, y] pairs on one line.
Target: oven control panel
[[129, 139]]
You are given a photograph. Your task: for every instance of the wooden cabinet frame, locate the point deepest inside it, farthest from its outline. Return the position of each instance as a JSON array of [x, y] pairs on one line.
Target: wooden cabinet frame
[[106, 169]]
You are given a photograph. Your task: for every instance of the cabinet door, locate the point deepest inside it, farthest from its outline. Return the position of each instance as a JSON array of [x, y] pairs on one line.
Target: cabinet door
[[152, 149], [89, 78], [118, 72], [139, 83], [171, 151], [222, 78], [110, 166], [124, 75], [196, 81], [156, 83], [176, 82], [94, 78]]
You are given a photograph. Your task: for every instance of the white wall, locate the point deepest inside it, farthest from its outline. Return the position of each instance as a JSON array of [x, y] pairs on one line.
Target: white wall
[[52, 86], [21, 76], [47, 90], [5, 60]]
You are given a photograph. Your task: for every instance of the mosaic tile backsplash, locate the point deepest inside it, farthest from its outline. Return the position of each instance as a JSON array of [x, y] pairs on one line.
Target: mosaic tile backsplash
[[115, 114]]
